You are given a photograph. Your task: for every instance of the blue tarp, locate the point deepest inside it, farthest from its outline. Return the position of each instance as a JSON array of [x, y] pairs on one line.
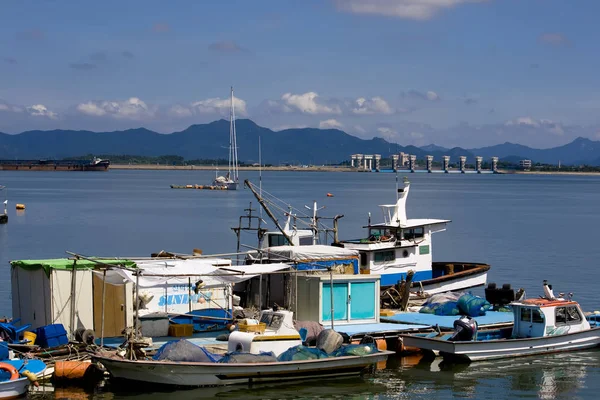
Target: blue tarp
[[447, 322]]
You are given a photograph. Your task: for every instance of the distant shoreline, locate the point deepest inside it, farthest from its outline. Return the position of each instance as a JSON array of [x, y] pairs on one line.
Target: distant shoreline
[[309, 169]]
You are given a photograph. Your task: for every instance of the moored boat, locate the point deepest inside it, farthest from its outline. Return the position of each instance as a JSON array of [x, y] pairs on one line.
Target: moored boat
[[217, 374], [230, 180], [543, 325]]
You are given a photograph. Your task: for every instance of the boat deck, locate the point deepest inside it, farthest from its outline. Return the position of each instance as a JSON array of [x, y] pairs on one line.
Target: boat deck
[[491, 318], [377, 329], [200, 339]]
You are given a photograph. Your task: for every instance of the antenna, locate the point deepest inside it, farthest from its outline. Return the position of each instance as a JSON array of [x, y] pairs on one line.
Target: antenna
[[396, 185]]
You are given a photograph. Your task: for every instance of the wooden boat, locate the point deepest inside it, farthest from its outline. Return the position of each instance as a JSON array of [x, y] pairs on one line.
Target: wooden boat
[[217, 374], [542, 325]]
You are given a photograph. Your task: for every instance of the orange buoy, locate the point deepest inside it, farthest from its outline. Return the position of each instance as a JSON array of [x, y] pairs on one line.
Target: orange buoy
[[329, 195], [20, 206], [14, 374], [71, 369]]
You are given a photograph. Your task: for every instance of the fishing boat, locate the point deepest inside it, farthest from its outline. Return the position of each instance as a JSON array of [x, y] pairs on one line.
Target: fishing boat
[[391, 249], [542, 325], [218, 374], [230, 180], [18, 375]]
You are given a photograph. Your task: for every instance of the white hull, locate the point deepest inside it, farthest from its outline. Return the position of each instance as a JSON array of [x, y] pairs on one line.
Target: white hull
[[13, 389], [218, 374], [460, 283], [507, 348], [230, 185]]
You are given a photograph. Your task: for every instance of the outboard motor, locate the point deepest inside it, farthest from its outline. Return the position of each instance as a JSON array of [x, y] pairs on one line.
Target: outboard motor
[[465, 329]]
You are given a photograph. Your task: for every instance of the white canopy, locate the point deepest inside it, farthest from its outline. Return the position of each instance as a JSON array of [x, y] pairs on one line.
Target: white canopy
[[308, 253], [179, 272]]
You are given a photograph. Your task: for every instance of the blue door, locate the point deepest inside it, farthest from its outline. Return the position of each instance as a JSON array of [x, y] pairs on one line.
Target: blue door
[[362, 300], [340, 301]]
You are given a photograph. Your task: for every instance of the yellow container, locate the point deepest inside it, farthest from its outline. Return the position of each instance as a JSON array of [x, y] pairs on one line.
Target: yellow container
[[259, 328], [29, 337], [179, 330]]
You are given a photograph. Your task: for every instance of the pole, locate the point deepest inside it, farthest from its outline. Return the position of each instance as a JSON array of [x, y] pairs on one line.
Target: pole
[[331, 289], [137, 302], [103, 300], [73, 290], [190, 294], [260, 293], [268, 211]]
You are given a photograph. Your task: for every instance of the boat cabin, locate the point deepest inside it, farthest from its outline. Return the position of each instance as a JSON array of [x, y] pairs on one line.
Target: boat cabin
[[398, 244], [547, 317]]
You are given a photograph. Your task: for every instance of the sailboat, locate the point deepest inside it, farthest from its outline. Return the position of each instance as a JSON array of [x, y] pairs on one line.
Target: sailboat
[[230, 180]]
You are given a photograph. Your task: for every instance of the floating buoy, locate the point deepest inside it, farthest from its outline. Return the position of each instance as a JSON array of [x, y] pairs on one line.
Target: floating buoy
[[71, 369], [20, 206], [329, 195]]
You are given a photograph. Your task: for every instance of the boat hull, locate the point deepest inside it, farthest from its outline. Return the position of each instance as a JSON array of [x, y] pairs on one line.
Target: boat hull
[[13, 389], [219, 374], [506, 348], [467, 276]]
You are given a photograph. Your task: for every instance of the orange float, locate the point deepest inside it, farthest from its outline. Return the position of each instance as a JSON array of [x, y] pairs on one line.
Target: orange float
[[14, 374]]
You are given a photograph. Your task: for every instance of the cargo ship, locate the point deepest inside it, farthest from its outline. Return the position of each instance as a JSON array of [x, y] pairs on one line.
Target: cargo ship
[[96, 164]]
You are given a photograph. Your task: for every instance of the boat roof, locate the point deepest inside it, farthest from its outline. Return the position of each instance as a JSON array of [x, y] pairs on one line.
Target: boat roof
[[67, 264], [412, 223], [543, 302], [312, 252]]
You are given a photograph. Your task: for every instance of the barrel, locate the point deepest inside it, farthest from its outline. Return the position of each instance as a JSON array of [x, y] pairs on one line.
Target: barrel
[[71, 369]]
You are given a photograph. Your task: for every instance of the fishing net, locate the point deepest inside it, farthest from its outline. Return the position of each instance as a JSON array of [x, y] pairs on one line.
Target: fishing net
[[184, 350]]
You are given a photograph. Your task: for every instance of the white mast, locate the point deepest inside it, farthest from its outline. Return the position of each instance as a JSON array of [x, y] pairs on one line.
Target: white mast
[[233, 156]]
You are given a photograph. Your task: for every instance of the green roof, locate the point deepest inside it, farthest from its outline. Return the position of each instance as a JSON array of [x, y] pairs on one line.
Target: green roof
[[66, 264]]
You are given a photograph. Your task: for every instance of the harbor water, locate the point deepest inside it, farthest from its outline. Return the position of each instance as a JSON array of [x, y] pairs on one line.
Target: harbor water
[[527, 227]]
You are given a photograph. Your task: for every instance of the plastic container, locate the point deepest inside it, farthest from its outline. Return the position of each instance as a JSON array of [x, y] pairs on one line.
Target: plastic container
[[29, 337], [180, 330], [155, 325], [52, 335], [258, 328]]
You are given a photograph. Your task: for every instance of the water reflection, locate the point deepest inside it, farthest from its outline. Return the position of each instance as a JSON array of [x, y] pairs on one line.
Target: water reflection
[[545, 377]]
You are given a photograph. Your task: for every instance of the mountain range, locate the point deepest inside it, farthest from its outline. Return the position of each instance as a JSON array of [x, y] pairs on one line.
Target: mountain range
[[294, 146]]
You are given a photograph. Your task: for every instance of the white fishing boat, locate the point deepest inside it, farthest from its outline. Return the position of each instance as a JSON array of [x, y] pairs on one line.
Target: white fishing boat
[[217, 374], [391, 249], [231, 178], [543, 325], [13, 389]]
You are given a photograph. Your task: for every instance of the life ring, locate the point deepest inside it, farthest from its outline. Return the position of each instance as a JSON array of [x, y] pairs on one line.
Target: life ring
[[14, 374]]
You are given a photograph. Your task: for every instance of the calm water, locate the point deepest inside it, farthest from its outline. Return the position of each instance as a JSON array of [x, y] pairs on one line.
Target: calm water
[[528, 228]]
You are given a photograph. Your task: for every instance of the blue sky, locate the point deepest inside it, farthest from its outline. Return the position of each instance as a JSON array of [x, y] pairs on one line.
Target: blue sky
[[452, 72]]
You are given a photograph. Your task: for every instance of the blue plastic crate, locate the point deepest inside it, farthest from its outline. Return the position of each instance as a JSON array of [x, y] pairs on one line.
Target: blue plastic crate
[[51, 336]]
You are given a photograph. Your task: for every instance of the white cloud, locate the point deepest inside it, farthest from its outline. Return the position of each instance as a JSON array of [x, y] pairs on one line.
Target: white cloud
[[307, 103], [360, 129], [284, 127], [387, 133], [10, 108], [375, 105], [40, 110], [132, 108], [432, 96], [522, 121], [330, 124], [179, 111], [219, 106], [407, 9]]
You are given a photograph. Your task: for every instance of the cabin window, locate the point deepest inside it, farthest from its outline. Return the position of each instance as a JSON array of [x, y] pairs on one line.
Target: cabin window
[[384, 256], [526, 314], [537, 316], [306, 241], [567, 316], [277, 240], [413, 233], [573, 315]]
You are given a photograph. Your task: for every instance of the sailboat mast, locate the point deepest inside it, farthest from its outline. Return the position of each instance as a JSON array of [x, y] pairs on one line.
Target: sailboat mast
[[233, 155]]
